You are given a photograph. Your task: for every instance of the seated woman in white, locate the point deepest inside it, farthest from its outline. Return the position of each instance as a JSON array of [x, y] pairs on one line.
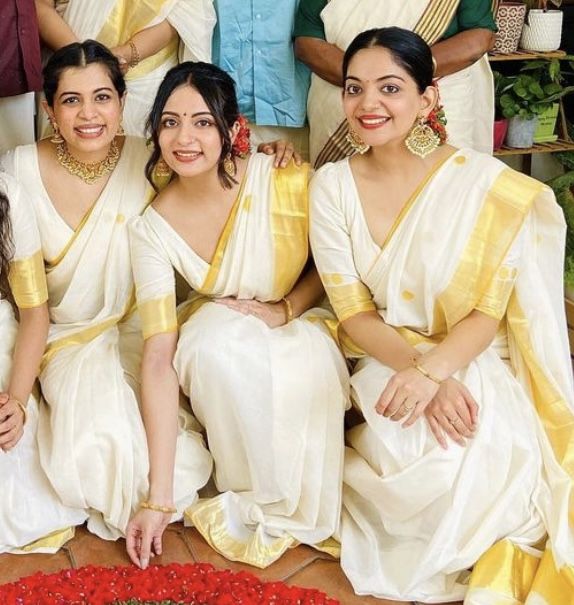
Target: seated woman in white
[[86, 183], [32, 518], [444, 267], [264, 376]]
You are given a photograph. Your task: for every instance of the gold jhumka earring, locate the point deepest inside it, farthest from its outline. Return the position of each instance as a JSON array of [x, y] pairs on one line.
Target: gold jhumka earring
[[422, 139], [161, 169], [121, 132], [57, 138], [356, 142], [229, 165]]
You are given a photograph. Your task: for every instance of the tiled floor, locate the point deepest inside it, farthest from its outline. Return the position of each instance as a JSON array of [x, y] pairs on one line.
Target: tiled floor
[[302, 566]]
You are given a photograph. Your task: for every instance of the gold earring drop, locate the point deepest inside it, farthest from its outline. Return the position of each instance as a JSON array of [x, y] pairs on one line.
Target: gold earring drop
[[422, 139], [355, 141], [229, 165], [121, 132], [161, 169], [56, 137]]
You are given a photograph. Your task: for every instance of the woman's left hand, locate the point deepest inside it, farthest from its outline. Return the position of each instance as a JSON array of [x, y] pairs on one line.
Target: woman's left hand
[[11, 422], [283, 151], [273, 314], [406, 395], [123, 55]]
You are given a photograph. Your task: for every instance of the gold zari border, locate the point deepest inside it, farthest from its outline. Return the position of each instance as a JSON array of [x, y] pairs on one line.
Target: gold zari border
[[28, 281], [158, 316]]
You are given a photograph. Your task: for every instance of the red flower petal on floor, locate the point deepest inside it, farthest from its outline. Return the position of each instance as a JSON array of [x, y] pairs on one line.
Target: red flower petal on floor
[[199, 583]]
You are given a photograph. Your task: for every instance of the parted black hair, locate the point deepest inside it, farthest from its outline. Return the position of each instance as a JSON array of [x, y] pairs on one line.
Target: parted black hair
[[218, 91], [408, 50], [81, 54], [6, 245]]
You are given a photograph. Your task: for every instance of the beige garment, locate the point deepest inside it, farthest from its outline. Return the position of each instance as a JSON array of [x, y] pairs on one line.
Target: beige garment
[[271, 400], [91, 436], [416, 518]]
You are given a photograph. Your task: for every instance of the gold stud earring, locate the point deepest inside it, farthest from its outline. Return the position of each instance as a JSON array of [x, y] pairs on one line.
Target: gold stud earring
[[229, 165], [355, 141], [161, 169], [422, 139], [57, 138]]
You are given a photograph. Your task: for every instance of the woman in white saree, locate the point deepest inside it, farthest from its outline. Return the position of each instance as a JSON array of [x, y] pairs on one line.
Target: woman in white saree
[[32, 519], [264, 376], [86, 185], [145, 36], [449, 291]]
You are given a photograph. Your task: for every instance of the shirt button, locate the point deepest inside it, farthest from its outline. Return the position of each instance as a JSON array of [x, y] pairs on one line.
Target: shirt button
[[258, 16]]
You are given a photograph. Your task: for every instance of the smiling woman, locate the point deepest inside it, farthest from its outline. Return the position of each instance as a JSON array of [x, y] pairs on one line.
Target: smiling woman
[[86, 183]]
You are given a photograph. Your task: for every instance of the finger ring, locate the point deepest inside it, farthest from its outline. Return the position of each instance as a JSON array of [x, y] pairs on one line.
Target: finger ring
[[452, 420], [409, 407]]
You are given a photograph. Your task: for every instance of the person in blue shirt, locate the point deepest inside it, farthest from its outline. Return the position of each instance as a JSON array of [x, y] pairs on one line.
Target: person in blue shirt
[[253, 42]]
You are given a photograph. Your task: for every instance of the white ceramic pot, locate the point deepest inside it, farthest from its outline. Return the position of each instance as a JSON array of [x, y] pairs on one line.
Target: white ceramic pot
[[520, 133], [542, 31]]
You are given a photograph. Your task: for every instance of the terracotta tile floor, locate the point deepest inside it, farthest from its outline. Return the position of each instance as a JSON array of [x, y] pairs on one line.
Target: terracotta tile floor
[[302, 566]]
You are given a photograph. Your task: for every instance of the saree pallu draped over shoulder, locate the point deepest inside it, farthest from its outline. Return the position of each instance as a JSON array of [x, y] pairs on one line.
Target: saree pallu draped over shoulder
[[114, 22], [271, 400], [91, 436], [416, 518], [467, 96]]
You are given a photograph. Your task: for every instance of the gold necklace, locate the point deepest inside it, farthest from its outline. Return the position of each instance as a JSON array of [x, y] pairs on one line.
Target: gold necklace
[[89, 173]]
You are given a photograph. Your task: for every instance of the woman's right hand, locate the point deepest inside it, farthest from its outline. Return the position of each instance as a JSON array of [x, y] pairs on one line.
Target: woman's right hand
[[143, 535], [453, 412]]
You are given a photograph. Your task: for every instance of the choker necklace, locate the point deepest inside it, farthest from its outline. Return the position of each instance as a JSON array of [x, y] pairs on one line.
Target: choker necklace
[[89, 173]]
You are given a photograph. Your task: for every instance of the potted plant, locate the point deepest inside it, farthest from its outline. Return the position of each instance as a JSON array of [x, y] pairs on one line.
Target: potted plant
[[500, 122], [509, 21], [528, 94], [542, 30]]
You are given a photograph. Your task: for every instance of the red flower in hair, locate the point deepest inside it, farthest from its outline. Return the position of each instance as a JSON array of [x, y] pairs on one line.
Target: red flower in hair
[[241, 146], [437, 119]]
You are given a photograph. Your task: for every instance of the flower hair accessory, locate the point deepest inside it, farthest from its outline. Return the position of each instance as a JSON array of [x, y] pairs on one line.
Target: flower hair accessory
[[241, 145], [437, 119]]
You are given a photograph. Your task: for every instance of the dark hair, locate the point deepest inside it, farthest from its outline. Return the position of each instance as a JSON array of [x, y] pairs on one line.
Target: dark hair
[[218, 91], [81, 54], [6, 246], [408, 50]]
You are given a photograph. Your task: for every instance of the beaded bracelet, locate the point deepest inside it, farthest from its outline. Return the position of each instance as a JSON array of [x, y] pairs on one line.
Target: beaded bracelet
[[22, 407], [426, 373], [157, 507], [135, 57], [288, 309]]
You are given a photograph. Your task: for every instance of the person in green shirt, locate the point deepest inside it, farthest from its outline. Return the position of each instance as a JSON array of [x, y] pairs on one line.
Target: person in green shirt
[[460, 34]]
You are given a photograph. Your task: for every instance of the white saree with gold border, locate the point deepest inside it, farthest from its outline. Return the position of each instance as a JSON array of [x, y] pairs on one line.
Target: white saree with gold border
[[271, 400], [467, 96], [91, 436], [114, 22], [417, 518], [32, 518]]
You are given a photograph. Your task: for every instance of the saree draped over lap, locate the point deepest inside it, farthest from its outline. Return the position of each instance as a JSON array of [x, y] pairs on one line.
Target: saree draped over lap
[[114, 22], [271, 400], [91, 436], [475, 235], [32, 518], [467, 95]]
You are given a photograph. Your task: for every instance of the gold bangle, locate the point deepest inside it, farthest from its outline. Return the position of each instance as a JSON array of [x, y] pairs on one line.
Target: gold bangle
[[426, 374], [22, 407], [135, 56], [288, 309], [434, 65], [157, 507]]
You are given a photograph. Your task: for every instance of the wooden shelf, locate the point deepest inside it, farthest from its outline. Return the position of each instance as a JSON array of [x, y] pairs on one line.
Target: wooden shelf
[[559, 145], [525, 55]]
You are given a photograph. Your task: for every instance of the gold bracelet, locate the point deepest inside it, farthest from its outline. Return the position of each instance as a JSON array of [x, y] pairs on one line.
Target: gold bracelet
[[426, 374], [135, 57], [157, 507], [288, 309], [22, 407]]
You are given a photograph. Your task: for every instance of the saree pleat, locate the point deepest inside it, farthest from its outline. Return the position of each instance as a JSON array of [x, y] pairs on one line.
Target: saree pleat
[[91, 436], [417, 518], [271, 400], [32, 518]]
